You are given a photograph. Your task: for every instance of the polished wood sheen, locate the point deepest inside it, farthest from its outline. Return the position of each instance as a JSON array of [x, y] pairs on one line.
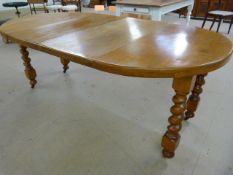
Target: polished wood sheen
[[130, 47]]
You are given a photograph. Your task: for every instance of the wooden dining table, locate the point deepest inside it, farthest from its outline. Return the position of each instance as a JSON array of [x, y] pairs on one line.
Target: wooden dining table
[[128, 47]]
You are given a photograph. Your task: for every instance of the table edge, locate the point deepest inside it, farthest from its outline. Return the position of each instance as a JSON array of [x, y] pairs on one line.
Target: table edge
[[147, 5], [125, 70]]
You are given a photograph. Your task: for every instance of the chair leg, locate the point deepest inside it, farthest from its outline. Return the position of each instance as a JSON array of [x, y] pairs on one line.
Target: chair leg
[[203, 24], [30, 8], [213, 23], [219, 23], [34, 8], [80, 6], [45, 9], [230, 25]]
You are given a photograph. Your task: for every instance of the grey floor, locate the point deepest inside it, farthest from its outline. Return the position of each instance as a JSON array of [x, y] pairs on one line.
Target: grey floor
[[88, 122]]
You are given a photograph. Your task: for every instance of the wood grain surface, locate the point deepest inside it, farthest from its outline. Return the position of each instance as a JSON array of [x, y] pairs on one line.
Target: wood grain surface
[[125, 46]]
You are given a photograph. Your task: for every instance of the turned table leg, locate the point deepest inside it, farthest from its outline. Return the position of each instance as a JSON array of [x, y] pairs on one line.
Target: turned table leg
[[171, 138], [5, 39], [194, 98], [29, 70], [65, 63]]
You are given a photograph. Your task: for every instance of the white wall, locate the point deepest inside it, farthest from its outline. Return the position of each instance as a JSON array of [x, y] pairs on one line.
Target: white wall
[[4, 8]]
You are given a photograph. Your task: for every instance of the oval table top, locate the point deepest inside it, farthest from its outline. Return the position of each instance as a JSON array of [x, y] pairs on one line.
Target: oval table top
[[126, 46]]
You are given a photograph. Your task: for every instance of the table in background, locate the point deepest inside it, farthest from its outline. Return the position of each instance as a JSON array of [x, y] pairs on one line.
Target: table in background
[[153, 8], [16, 5]]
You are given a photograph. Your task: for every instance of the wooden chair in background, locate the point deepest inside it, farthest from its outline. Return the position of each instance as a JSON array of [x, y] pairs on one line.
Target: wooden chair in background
[[37, 5], [219, 14], [71, 5], [56, 6]]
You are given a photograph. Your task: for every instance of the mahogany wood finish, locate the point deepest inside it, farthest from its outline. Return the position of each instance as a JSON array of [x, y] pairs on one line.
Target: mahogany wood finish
[[29, 70], [194, 98], [65, 63], [201, 7], [129, 47]]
